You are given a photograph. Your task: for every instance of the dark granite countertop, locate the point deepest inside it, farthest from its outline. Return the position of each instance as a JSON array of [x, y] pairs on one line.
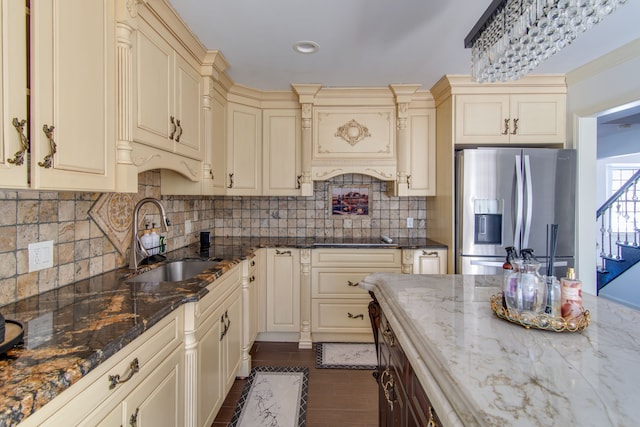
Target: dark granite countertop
[[71, 330]]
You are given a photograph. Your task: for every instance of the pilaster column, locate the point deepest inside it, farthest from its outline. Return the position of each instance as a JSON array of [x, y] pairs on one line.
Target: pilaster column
[[403, 94], [307, 95], [207, 174], [126, 171], [305, 300]]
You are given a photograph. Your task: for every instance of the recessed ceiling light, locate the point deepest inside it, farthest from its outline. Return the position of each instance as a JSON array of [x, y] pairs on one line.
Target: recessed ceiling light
[[306, 46]]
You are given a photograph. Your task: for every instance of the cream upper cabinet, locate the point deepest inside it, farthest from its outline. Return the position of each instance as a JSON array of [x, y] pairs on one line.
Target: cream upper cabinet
[[71, 128], [510, 119], [421, 173], [244, 150], [13, 114], [218, 144], [281, 139], [283, 290], [167, 100]]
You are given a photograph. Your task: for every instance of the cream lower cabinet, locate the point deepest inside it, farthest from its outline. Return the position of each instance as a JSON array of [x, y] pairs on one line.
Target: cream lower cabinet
[[250, 311], [339, 307], [148, 390], [283, 290], [213, 348], [424, 261]]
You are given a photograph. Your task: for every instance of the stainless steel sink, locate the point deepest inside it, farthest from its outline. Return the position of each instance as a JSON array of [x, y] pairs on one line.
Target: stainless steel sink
[[174, 271]]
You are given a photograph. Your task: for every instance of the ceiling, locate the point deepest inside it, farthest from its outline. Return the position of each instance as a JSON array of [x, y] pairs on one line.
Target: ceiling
[[366, 42]]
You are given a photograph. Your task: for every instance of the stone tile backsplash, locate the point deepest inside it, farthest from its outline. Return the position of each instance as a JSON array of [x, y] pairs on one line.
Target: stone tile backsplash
[[82, 249]]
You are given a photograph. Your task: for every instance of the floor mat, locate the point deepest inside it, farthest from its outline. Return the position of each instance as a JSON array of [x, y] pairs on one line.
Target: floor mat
[[273, 396], [346, 355]]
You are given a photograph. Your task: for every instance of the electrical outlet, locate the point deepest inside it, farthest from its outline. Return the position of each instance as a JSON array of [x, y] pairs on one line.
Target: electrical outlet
[[409, 222], [40, 255], [187, 226]]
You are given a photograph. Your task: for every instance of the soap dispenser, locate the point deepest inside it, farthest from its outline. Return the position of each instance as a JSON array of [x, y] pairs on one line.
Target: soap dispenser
[[155, 240]]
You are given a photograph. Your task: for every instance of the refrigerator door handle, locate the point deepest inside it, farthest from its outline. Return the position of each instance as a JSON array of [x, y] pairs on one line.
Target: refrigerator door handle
[[519, 200], [529, 192]]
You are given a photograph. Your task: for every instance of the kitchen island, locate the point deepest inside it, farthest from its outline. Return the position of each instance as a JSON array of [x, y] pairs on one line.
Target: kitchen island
[[479, 370]]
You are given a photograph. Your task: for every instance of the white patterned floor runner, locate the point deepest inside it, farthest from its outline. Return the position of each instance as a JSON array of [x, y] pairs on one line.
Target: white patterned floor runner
[[274, 397], [346, 356]]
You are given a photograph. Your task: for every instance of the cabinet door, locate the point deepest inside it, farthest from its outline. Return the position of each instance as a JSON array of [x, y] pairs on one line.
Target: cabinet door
[[244, 150], [283, 290], [153, 93], [210, 365], [541, 119], [73, 94], [428, 261], [218, 143], [281, 152], [13, 77], [422, 153], [232, 339], [188, 108], [158, 400], [480, 119]]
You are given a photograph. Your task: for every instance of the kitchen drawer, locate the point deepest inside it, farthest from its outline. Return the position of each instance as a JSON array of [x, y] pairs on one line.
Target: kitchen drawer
[[92, 391], [330, 315], [339, 282], [374, 259]]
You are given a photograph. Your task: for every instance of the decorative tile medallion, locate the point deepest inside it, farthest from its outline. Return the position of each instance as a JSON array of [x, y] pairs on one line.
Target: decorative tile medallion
[[113, 212], [273, 397], [346, 355]]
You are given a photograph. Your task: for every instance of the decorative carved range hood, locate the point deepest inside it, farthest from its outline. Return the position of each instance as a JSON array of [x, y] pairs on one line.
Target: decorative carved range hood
[[354, 130]]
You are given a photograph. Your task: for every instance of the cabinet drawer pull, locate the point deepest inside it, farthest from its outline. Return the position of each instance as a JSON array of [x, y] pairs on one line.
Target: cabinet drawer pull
[[253, 263], [433, 253], [432, 418], [506, 127], [179, 131], [223, 327], [114, 380], [172, 132], [388, 334], [230, 181], [386, 380], [352, 284], [279, 252], [355, 316], [53, 149], [298, 182], [515, 127], [18, 158], [252, 279], [409, 181], [133, 421]]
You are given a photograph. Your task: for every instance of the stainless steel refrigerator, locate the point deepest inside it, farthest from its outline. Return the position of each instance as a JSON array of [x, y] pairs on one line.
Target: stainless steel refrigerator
[[507, 197]]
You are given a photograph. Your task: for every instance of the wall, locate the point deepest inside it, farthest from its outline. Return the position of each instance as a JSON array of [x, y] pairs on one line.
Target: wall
[[604, 84], [82, 249], [309, 216]]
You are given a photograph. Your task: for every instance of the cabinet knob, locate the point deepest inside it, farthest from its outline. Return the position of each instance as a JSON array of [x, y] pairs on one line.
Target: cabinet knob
[[18, 158], [114, 380], [53, 149]]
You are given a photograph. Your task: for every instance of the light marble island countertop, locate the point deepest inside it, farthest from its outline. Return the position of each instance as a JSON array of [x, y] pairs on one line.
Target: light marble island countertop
[[480, 370]]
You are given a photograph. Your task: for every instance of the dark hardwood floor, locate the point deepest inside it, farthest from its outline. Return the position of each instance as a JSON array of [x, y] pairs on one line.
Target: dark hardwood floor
[[337, 397]]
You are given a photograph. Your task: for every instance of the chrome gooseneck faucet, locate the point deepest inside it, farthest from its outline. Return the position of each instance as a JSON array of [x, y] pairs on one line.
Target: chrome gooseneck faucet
[[138, 252]]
